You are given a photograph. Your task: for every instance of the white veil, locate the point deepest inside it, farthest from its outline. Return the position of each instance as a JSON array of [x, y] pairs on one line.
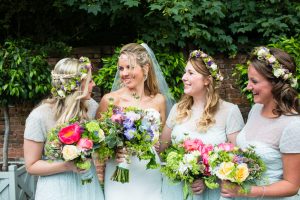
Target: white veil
[[162, 84]]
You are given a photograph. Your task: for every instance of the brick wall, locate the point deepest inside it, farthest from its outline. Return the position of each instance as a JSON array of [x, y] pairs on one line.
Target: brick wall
[[18, 114]]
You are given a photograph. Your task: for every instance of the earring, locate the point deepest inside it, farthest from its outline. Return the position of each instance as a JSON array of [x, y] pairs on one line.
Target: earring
[[145, 77]]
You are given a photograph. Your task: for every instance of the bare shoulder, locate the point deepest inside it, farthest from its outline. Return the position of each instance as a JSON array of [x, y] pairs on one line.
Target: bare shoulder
[[159, 98]]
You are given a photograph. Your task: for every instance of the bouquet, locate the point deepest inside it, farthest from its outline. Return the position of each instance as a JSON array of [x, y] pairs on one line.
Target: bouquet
[[239, 166], [134, 129], [76, 142], [186, 162]]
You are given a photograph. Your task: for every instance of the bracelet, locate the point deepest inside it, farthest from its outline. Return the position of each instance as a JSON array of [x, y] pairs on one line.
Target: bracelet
[[263, 192]]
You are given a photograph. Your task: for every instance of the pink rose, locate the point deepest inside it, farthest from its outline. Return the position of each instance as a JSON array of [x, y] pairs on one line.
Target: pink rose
[[117, 118], [70, 134], [226, 146], [85, 144]]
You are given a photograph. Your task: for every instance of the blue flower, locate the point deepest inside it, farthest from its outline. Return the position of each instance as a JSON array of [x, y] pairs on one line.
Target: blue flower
[[129, 133], [128, 123]]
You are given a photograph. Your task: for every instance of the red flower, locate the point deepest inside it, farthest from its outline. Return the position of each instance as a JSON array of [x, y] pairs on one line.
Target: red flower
[[70, 134]]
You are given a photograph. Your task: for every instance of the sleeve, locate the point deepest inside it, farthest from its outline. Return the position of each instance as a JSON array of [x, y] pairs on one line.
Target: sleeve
[[34, 128], [235, 121], [172, 117], [92, 108], [290, 138]]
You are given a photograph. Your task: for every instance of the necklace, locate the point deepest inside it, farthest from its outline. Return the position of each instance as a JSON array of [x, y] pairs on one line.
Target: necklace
[[135, 96]]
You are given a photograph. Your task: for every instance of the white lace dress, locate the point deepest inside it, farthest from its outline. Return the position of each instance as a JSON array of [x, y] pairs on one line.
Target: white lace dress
[[67, 185], [144, 184], [228, 120], [271, 137]]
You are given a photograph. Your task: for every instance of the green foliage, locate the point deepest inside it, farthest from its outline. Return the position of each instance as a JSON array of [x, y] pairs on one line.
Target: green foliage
[[289, 45], [24, 75], [171, 63], [213, 25]]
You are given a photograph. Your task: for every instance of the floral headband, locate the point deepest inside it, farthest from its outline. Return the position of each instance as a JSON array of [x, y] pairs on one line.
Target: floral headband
[[70, 82], [209, 63], [263, 54]]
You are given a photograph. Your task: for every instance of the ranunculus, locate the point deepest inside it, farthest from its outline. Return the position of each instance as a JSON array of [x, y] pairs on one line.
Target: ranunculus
[[225, 169], [117, 118], [70, 152], [192, 145], [241, 173], [226, 146], [85, 144], [70, 134]]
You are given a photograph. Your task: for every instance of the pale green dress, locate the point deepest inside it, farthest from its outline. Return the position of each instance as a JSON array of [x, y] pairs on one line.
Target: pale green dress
[[228, 120], [271, 137], [62, 186]]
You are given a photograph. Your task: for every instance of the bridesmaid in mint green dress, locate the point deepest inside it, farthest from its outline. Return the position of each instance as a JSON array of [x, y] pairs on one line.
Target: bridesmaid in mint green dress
[[59, 179], [200, 114], [273, 126]]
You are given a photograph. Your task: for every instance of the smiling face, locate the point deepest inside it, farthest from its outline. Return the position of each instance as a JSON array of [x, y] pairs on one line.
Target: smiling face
[[131, 74], [194, 83], [259, 86]]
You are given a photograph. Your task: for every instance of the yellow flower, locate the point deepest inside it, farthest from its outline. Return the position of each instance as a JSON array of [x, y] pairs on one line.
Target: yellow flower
[[241, 172], [224, 170]]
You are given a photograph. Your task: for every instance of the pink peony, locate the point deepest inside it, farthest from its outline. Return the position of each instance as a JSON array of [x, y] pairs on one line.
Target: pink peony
[[192, 145], [226, 146], [85, 144], [117, 118], [70, 134]]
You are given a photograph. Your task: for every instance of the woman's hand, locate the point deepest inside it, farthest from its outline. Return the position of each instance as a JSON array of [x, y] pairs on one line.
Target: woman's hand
[[156, 147], [229, 189], [121, 155], [198, 186]]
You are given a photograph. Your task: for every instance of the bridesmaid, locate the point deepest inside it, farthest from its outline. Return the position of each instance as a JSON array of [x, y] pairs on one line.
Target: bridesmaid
[[273, 125], [200, 114], [72, 85]]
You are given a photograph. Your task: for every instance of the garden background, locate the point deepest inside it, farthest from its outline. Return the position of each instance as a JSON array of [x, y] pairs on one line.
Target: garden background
[[35, 34]]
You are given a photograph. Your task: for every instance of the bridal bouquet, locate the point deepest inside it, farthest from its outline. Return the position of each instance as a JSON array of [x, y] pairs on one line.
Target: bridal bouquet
[[186, 162], [136, 130], [239, 166], [76, 142]]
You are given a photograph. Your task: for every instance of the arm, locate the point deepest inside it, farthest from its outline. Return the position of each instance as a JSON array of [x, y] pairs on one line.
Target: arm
[[103, 105], [165, 138], [288, 186], [232, 137], [35, 166]]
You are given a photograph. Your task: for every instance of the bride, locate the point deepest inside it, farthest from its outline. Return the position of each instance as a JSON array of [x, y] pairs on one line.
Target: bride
[[139, 82]]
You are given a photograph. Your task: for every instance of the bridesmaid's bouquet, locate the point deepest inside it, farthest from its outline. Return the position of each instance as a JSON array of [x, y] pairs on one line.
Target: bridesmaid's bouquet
[[76, 142], [239, 166], [136, 130], [185, 162]]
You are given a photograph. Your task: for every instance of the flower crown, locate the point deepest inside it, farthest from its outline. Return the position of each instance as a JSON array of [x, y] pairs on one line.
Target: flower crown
[[209, 63], [263, 54], [70, 82]]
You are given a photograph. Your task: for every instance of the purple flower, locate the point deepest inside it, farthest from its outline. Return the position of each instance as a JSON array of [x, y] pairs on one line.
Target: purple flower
[[128, 123], [129, 133], [209, 63]]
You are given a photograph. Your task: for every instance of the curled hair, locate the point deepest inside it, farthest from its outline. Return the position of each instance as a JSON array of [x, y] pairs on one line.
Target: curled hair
[[72, 105], [138, 55], [212, 99], [285, 96]]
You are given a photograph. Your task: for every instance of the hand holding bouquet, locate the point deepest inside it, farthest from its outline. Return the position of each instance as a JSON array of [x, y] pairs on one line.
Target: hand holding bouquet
[[74, 141], [186, 161], [239, 166], [134, 129]]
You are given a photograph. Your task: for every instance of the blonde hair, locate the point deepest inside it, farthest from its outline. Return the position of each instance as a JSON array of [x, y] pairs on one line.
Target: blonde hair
[[212, 99], [72, 105], [138, 55]]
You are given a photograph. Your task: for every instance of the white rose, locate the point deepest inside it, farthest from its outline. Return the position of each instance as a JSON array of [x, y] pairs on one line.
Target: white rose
[[189, 158], [214, 66], [70, 152], [101, 135], [278, 72], [182, 168], [262, 52]]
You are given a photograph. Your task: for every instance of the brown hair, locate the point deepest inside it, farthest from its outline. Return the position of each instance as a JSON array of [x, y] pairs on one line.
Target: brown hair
[[138, 55], [212, 99], [286, 97]]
